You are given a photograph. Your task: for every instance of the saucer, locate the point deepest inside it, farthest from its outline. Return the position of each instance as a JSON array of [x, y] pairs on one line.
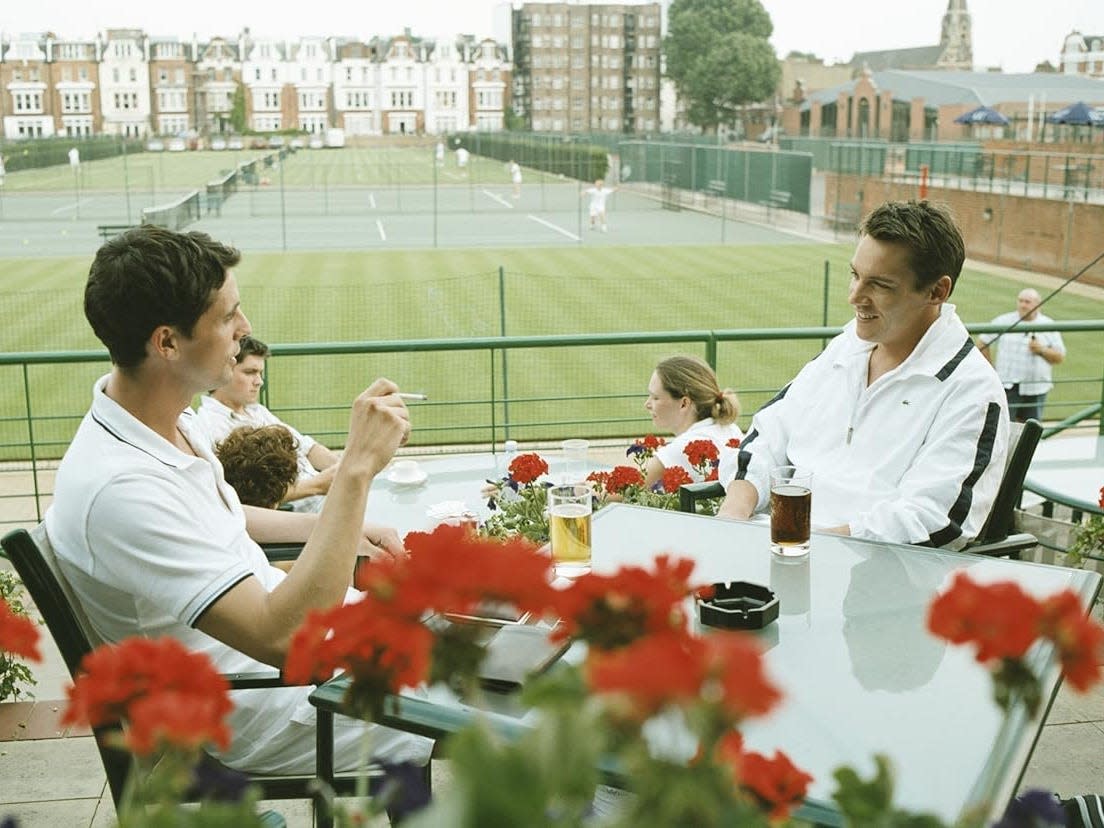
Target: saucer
[[409, 482]]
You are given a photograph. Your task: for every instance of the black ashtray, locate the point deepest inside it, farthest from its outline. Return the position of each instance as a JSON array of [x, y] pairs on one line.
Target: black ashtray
[[739, 606]]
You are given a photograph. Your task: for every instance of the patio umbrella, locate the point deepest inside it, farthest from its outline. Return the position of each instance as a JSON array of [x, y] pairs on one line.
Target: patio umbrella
[[982, 115], [1078, 114]]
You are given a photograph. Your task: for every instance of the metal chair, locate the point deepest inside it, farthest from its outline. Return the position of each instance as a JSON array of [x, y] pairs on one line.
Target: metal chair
[[996, 538], [35, 562]]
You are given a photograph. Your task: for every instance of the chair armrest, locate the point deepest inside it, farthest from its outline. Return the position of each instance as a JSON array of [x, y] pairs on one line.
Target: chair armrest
[[281, 551], [691, 493], [252, 681], [1011, 546]]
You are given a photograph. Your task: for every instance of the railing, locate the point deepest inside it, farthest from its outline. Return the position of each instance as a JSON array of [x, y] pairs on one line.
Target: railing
[[34, 440]]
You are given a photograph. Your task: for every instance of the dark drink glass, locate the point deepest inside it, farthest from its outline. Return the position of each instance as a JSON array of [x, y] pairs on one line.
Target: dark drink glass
[[791, 511]]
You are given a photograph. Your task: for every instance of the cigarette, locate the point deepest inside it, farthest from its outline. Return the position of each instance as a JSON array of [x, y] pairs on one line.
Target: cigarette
[[403, 395]]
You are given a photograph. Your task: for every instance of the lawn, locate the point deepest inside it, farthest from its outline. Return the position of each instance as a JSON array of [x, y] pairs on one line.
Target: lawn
[[397, 295]]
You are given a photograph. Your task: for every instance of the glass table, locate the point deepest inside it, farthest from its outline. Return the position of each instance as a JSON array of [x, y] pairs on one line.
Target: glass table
[[860, 674], [1068, 471]]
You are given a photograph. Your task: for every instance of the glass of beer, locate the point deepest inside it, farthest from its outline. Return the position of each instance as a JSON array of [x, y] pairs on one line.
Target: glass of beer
[[791, 495], [569, 509]]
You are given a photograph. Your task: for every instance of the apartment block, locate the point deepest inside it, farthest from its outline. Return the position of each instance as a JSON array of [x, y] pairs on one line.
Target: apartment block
[[1083, 55], [580, 67]]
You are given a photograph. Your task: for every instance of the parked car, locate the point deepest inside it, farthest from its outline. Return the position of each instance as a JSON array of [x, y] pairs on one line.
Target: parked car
[[218, 143], [235, 143], [296, 143], [258, 142], [177, 145], [316, 142], [276, 141], [155, 145]]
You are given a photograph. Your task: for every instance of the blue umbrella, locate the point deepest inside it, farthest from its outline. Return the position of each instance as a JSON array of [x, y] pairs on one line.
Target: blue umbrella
[[982, 115], [1078, 114]]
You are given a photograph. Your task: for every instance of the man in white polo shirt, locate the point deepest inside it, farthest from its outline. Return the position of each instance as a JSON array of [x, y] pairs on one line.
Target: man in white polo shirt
[[236, 404], [153, 540]]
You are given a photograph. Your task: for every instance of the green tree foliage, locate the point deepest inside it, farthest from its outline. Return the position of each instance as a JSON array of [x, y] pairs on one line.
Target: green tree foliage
[[719, 57], [237, 110]]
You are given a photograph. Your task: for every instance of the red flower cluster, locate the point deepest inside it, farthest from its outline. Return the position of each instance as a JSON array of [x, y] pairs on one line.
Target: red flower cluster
[[599, 478], [1078, 639], [674, 477], [701, 453], [622, 477], [1003, 621], [776, 783], [18, 635], [651, 442], [381, 639], [726, 668], [733, 443], [168, 695], [612, 611], [525, 468], [1101, 501]]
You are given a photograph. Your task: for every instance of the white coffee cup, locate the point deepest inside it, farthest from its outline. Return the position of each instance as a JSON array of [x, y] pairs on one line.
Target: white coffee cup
[[405, 471]]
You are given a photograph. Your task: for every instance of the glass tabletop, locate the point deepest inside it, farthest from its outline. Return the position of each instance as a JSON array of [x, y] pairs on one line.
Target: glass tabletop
[[860, 674], [1070, 471]]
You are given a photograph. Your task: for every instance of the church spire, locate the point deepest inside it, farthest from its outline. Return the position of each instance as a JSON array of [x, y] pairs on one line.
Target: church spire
[[956, 40]]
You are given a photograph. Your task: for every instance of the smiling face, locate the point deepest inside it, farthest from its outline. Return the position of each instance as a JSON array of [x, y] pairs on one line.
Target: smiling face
[[889, 309], [668, 413], [208, 356]]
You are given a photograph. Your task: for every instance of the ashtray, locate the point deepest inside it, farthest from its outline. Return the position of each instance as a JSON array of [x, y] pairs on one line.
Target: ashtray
[[739, 606]]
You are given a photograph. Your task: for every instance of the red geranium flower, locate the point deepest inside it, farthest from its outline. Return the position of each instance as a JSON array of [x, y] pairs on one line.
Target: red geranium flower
[[701, 453], [1101, 501], [525, 468], [777, 782], [735, 663], [674, 477], [622, 477], [138, 679], [651, 442], [1079, 639], [611, 611], [18, 635], [673, 674], [733, 443], [1001, 619], [600, 478]]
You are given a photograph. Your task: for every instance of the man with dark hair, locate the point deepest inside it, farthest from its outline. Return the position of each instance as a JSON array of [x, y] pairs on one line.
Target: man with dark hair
[[901, 420], [260, 463], [150, 536], [237, 403]]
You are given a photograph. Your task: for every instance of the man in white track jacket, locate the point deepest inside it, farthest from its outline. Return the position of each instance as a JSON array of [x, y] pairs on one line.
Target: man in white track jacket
[[901, 420]]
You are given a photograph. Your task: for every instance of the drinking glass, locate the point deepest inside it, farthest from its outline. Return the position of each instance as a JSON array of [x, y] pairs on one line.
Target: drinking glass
[[791, 509], [575, 460], [569, 510]]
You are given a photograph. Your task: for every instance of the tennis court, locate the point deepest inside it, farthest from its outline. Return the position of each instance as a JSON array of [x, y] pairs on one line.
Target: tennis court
[[357, 200]]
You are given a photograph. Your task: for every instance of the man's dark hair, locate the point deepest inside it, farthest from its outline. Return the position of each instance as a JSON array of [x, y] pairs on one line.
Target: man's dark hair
[[929, 233], [147, 277], [260, 463], [251, 346]]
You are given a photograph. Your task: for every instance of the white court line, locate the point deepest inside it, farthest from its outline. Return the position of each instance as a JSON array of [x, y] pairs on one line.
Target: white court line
[[379, 226], [497, 198], [552, 226], [372, 200], [75, 205]]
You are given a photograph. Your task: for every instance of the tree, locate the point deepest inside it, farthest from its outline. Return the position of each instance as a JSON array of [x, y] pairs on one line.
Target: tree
[[237, 110], [719, 57]]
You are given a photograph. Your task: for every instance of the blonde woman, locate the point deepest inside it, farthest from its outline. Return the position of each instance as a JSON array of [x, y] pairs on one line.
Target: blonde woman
[[685, 399]]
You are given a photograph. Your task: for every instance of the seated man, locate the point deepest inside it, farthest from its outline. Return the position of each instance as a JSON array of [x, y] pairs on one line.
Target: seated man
[[260, 463], [901, 420], [150, 536], [235, 404]]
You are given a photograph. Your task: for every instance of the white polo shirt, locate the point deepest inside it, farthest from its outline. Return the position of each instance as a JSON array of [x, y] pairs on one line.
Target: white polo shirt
[[150, 537]]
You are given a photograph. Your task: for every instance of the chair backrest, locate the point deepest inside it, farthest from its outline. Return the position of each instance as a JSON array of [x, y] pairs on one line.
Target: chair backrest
[[1022, 441], [33, 558]]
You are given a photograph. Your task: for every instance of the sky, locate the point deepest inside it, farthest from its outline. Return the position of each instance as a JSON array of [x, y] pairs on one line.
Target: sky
[[1012, 34]]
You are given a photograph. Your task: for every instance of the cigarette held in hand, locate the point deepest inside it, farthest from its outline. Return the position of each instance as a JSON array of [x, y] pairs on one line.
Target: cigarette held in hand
[[403, 395]]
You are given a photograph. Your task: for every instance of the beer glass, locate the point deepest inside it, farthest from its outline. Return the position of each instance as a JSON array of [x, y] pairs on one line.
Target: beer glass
[[569, 509], [791, 496]]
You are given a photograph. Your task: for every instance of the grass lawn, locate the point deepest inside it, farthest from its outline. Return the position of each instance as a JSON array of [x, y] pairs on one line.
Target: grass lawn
[[396, 295]]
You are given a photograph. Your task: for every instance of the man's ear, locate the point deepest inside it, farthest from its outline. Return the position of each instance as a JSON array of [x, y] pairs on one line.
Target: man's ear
[[163, 342], [941, 290]]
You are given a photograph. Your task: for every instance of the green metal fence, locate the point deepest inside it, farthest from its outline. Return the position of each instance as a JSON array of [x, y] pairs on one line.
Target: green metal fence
[[505, 392]]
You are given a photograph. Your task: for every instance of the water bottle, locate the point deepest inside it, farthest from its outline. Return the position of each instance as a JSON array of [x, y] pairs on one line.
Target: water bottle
[[509, 452]]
